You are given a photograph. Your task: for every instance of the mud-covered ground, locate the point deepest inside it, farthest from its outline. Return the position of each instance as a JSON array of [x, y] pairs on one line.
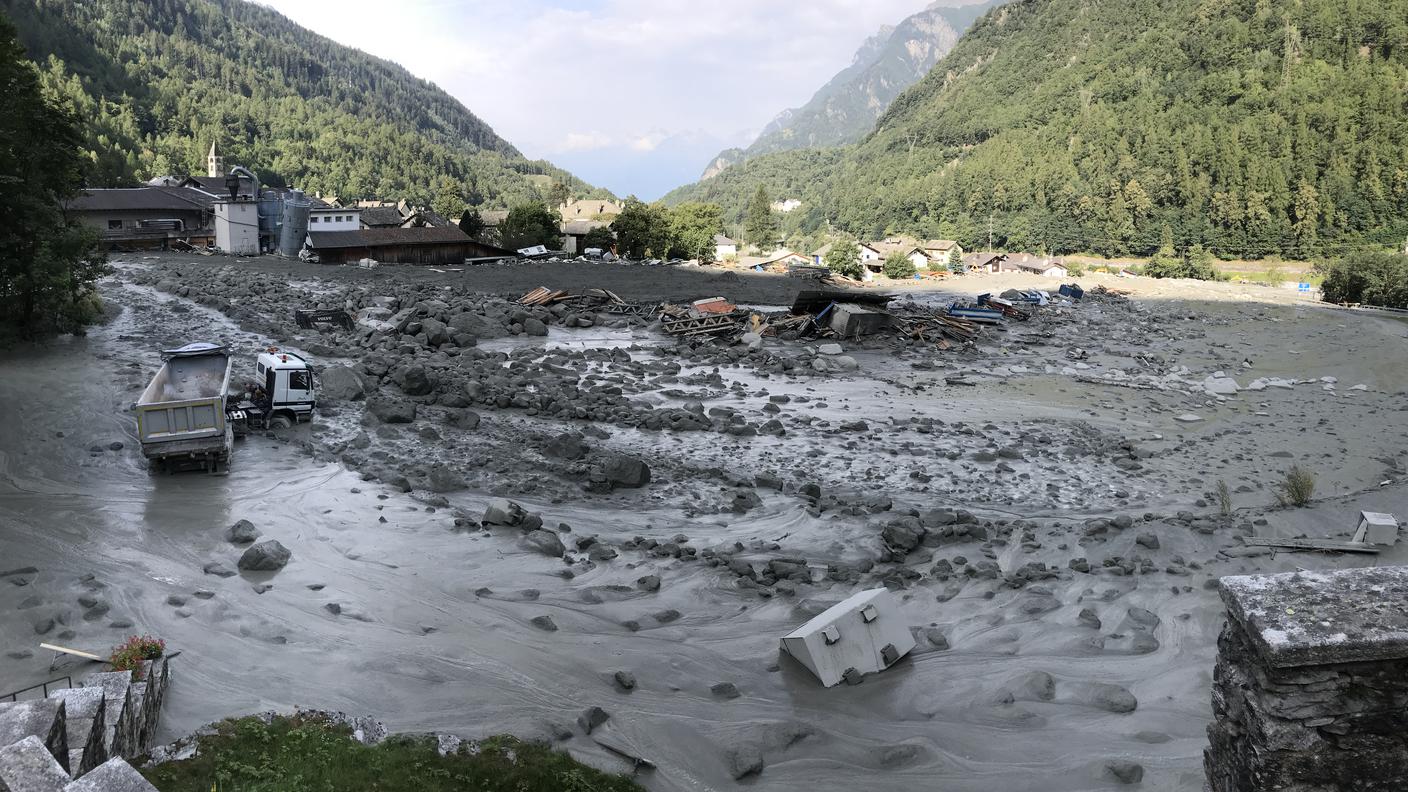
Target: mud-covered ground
[[1041, 502]]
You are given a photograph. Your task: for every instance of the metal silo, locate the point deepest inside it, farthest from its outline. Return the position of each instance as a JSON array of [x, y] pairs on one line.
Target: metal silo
[[271, 219], [295, 229]]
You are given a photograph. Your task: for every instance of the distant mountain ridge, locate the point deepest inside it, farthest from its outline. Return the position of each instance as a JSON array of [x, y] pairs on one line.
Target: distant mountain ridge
[[157, 81], [845, 109], [1250, 128]]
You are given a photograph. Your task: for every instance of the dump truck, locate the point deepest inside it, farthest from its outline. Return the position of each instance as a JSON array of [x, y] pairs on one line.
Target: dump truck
[[181, 415], [186, 416]]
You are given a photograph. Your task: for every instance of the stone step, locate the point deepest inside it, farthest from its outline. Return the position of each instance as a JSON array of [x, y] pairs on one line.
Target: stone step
[[44, 719], [86, 710], [119, 727], [114, 775], [27, 766]]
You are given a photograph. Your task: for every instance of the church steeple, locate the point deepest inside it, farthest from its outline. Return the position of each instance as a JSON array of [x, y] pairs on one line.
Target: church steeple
[[214, 163]]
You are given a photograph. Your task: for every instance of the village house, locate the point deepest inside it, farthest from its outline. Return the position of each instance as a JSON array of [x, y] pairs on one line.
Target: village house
[[983, 262], [724, 247], [325, 217], [940, 251], [911, 251], [589, 209], [777, 260], [417, 245], [145, 217], [574, 234], [1035, 265], [871, 259]]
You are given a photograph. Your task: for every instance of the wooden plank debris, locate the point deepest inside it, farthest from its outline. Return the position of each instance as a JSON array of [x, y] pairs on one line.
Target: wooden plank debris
[[74, 652], [1311, 544]]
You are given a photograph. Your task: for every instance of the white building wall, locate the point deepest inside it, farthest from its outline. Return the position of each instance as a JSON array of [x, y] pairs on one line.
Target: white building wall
[[334, 220], [237, 227]]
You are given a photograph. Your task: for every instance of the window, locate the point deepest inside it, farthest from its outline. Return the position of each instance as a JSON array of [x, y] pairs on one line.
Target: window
[[260, 369], [312, 219], [299, 381], [114, 224]]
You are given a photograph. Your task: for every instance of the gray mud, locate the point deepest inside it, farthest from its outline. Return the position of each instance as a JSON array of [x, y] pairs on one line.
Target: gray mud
[[1061, 596]]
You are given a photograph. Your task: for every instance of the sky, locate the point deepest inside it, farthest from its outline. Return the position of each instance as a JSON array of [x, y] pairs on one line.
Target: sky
[[633, 95]]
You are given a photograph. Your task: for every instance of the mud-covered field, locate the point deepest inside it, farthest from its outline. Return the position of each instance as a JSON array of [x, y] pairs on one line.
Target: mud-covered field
[[1041, 502]]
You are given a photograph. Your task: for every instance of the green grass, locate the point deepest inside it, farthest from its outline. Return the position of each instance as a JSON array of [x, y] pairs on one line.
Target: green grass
[[307, 754]]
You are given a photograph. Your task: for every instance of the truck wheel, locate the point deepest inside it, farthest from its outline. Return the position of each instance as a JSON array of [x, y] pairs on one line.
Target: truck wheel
[[280, 422]]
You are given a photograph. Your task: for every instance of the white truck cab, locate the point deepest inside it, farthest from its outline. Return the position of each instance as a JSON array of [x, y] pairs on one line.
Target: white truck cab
[[286, 383]]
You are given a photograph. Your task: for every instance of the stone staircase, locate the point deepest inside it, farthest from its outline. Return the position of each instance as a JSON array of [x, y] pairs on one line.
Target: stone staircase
[[80, 739]]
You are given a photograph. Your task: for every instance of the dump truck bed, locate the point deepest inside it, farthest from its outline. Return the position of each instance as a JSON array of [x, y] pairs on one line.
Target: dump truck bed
[[182, 411]]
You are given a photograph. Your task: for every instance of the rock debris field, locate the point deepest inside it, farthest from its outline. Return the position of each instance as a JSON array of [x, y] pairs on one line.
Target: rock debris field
[[568, 525]]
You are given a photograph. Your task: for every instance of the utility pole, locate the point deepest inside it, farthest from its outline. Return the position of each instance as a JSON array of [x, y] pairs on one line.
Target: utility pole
[[990, 214]]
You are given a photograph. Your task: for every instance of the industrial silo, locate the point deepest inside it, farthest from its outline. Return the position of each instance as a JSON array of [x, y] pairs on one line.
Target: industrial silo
[[295, 229], [271, 219]]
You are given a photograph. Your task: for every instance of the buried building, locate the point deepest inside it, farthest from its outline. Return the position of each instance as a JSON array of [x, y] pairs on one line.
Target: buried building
[[860, 635]]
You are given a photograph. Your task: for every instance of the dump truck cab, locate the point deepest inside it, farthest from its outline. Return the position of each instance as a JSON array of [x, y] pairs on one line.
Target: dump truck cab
[[283, 392]]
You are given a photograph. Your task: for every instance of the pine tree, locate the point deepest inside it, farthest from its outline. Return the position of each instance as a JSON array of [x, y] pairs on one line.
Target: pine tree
[[47, 264], [761, 228]]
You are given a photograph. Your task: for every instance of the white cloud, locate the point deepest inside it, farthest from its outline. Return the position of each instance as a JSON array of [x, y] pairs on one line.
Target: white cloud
[[583, 141], [614, 72]]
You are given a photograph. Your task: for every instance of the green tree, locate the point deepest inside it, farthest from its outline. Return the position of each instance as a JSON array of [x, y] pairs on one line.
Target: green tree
[[1373, 278], [898, 266], [559, 194], [531, 224], [448, 201], [641, 229], [47, 263], [761, 228], [692, 229], [472, 223], [955, 262], [600, 237], [844, 259]]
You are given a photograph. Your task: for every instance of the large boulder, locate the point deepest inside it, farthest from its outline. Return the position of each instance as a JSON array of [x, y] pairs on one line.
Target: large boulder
[[443, 479], [392, 411], [242, 532], [567, 445], [625, 471], [903, 533], [340, 383], [413, 380], [436, 331], [534, 327], [546, 542], [267, 556]]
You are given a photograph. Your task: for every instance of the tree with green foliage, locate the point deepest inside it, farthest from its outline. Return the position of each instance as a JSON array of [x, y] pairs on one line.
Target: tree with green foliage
[[1372, 278], [844, 259], [599, 237], [531, 224], [448, 202], [642, 229], [559, 194], [693, 227], [955, 262], [472, 223], [153, 82], [1254, 127], [898, 266], [761, 228], [47, 261]]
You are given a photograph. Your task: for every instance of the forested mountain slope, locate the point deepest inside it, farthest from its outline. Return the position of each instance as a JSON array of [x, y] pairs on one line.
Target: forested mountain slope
[[158, 80], [1255, 127], [844, 110]]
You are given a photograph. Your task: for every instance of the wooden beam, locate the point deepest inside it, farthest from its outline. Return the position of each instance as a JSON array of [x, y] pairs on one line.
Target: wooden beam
[[74, 652], [1312, 544]]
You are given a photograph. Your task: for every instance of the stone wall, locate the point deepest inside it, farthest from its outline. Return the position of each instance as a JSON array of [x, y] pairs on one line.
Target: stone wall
[[1310, 692]]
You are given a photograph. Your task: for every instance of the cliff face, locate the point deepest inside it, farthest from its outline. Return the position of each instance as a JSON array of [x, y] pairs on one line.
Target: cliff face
[[846, 108]]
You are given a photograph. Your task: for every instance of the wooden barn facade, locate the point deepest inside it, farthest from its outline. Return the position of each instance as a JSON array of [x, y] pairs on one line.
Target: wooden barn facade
[[426, 245]]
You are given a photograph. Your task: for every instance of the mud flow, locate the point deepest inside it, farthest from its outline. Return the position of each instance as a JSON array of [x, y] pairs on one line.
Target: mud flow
[[1041, 503]]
